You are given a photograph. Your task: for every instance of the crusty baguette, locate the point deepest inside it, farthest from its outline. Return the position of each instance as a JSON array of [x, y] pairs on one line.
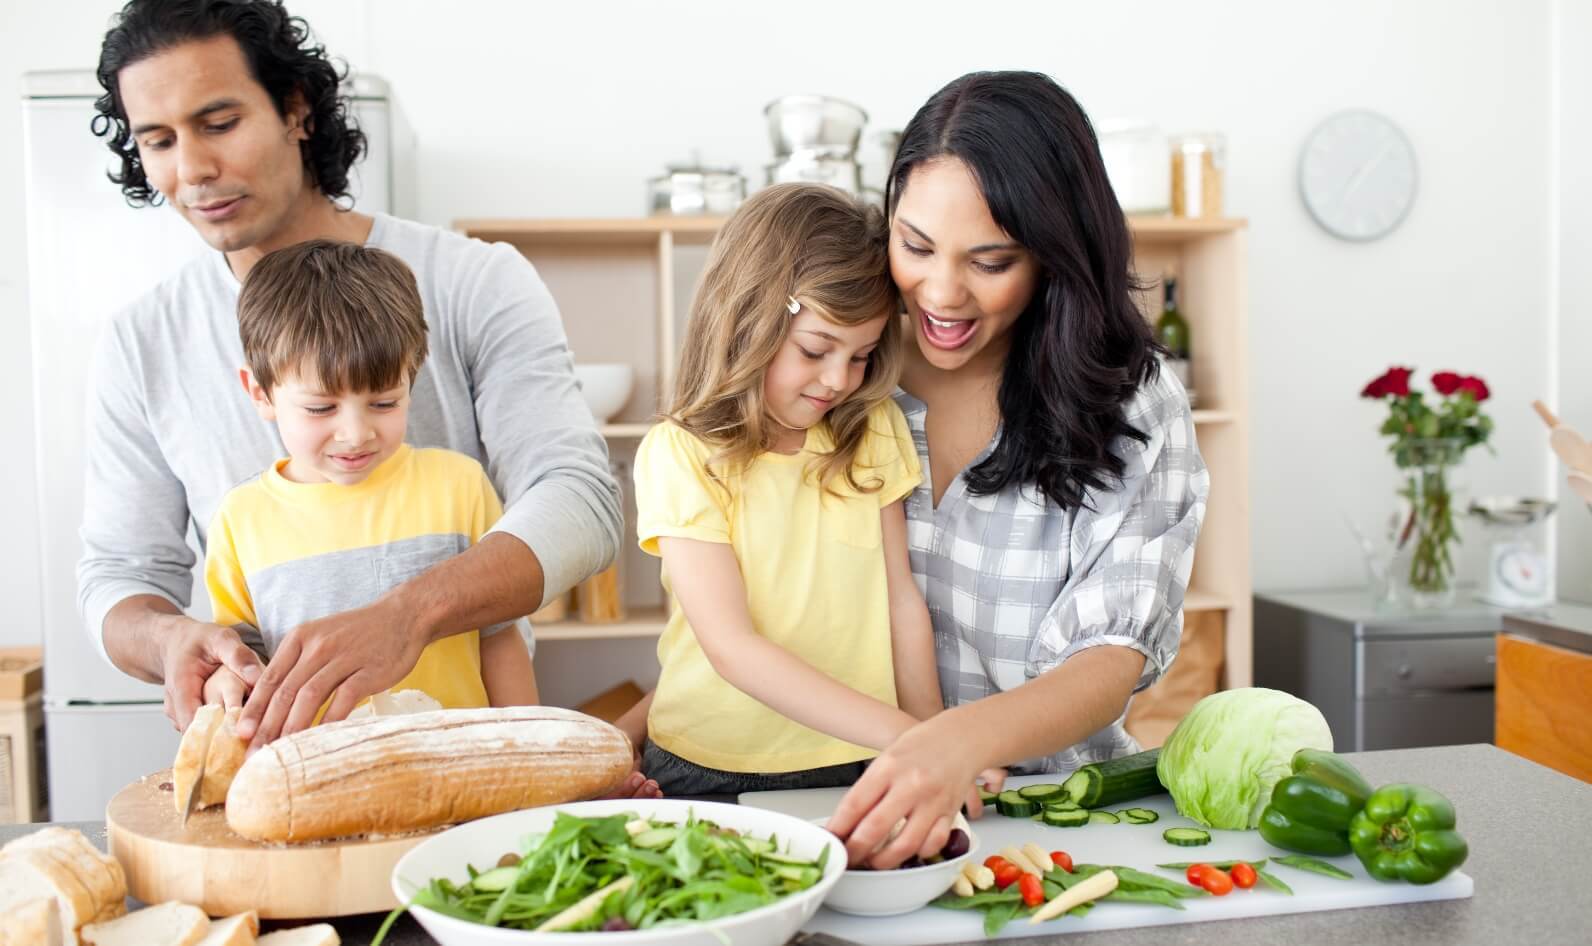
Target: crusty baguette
[[34, 923], [164, 924], [397, 774], [320, 934], [223, 759], [192, 752], [99, 873], [237, 930]]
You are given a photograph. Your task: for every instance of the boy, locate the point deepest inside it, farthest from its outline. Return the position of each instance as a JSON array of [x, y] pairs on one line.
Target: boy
[[333, 337]]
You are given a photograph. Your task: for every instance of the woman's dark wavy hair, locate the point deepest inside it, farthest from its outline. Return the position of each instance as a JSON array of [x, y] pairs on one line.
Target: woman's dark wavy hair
[[1081, 348], [281, 58]]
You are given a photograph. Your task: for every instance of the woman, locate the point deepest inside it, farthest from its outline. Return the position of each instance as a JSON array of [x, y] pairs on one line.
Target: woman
[[1063, 491]]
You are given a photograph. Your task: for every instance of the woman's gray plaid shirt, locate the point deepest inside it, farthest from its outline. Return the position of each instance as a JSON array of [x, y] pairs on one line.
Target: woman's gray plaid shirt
[[1015, 584]]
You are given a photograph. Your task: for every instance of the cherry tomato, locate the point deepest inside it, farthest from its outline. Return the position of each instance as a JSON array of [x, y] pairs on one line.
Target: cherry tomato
[[1032, 889], [1243, 875], [1217, 881], [1062, 859], [994, 861], [1196, 871], [1007, 874]]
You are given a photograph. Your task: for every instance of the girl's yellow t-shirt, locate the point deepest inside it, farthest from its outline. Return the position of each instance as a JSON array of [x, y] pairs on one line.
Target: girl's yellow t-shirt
[[813, 565]]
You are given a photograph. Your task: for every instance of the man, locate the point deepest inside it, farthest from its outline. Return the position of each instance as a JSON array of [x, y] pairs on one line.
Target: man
[[228, 112]]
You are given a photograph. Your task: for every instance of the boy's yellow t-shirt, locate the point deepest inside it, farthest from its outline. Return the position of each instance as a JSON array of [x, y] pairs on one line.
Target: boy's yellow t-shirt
[[282, 553], [813, 565]]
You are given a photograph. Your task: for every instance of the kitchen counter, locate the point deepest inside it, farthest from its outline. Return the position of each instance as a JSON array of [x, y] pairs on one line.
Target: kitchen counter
[[1529, 828], [1562, 625]]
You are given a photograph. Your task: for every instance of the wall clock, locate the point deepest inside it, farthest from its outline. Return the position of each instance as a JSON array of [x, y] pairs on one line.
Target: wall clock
[[1357, 175]]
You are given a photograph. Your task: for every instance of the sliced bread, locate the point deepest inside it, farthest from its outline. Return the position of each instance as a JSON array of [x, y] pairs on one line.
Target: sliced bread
[[164, 924], [321, 934], [99, 873], [192, 752], [237, 930], [223, 760], [29, 874], [34, 923]]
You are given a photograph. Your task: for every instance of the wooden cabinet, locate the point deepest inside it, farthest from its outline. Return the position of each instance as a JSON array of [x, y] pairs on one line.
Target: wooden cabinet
[[1543, 704], [624, 288]]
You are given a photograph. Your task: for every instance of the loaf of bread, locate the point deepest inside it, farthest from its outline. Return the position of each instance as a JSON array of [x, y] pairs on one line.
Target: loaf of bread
[[398, 774], [164, 924], [79, 883]]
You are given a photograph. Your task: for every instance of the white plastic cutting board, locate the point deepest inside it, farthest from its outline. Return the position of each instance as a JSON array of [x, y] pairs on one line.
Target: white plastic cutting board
[[1128, 845]]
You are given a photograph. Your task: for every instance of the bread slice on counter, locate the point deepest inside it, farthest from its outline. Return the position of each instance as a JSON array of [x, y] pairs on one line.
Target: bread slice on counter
[[164, 924], [222, 760], [321, 934], [99, 873], [192, 752], [30, 874], [237, 930], [400, 774], [36, 922]]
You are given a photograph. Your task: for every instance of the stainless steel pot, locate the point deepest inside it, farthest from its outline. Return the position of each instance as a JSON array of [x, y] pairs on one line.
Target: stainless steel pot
[[696, 190], [843, 173], [814, 125]]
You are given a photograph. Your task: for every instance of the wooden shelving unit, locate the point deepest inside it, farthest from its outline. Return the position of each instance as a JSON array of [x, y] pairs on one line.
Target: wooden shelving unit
[[623, 286]]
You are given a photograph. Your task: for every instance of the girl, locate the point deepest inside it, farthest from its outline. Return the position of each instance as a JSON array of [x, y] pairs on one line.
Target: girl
[[797, 644]]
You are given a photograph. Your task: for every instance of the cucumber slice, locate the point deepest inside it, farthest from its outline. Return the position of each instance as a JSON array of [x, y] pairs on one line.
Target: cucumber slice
[[986, 796], [1186, 837], [1139, 816], [1013, 805], [1040, 793], [496, 880], [1065, 817], [1062, 805], [655, 838], [1103, 817], [1100, 784]]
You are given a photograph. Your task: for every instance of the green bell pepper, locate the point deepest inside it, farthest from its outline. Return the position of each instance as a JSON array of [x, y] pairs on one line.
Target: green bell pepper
[[1311, 809], [1406, 832]]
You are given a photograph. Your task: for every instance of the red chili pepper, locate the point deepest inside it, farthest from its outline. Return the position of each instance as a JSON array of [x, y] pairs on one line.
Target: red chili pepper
[[1062, 859], [1032, 889], [1243, 875]]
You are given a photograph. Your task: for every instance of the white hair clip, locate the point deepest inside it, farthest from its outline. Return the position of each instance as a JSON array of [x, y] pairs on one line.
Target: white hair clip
[[793, 305]]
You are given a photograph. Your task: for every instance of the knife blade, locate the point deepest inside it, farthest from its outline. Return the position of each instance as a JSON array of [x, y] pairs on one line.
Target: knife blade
[[191, 804]]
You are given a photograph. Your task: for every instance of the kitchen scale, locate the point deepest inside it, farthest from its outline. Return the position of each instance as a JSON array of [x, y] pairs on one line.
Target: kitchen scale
[[1518, 575]]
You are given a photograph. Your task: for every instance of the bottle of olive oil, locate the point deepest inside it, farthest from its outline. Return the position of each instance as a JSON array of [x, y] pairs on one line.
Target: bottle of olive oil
[[1172, 331]]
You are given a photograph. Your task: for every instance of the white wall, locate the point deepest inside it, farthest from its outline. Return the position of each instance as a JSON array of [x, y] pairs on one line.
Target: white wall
[[1573, 213], [543, 110]]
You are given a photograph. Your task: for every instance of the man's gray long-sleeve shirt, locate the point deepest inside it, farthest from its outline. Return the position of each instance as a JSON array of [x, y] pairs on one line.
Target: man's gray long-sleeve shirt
[[170, 429]]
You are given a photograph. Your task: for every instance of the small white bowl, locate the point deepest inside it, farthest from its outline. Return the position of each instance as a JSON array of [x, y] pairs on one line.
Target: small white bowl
[[482, 842], [606, 387], [892, 892]]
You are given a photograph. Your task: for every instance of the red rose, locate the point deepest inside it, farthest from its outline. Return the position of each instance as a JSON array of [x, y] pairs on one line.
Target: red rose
[[1476, 387], [1376, 389], [1394, 381], [1447, 382]]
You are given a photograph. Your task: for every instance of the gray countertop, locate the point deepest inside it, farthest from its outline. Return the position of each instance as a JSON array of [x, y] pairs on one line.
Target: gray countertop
[[1530, 833], [1563, 625]]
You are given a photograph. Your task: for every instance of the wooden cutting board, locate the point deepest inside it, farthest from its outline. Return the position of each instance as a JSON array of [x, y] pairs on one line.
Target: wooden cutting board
[[204, 863]]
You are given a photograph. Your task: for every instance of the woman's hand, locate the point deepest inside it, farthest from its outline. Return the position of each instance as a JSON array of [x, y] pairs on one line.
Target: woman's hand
[[914, 779]]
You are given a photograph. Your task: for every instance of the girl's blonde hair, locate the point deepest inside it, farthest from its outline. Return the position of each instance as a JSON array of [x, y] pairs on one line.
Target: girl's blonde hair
[[829, 252]]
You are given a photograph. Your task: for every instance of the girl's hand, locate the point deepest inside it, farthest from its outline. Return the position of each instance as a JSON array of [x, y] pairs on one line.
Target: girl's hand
[[915, 779], [226, 688], [993, 781]]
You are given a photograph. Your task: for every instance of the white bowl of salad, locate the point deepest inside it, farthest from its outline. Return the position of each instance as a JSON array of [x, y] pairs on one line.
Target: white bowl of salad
[[621, 871]]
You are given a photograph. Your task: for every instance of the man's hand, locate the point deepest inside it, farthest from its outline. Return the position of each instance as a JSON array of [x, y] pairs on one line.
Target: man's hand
[[191, 654], [345, 658]]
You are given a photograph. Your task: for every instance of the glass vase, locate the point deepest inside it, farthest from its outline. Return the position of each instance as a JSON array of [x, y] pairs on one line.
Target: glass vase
[[1426, 532]]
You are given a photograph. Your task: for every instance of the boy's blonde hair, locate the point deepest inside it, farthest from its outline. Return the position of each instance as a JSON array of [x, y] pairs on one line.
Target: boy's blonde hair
[[350, 315], [828, 251]]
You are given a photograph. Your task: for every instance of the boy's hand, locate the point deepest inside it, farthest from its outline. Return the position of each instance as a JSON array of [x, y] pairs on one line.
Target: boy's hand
[[226, 688], [191, 653]]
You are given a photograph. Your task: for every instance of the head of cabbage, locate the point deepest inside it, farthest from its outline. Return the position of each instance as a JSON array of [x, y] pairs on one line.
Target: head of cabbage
[[1222, 760]]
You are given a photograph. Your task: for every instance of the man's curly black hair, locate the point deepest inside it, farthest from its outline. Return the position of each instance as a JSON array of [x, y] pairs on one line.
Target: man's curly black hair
[[281, 58]]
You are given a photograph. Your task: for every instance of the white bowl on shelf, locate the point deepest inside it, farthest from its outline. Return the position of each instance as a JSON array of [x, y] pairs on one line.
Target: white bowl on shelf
[[482, 842], [606, 387]]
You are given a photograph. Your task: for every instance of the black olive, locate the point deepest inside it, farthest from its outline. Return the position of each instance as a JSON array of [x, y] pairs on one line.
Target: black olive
[[955, 845]]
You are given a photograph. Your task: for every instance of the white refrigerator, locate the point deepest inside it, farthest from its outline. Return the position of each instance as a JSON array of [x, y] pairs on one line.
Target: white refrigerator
[[89, 254]]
